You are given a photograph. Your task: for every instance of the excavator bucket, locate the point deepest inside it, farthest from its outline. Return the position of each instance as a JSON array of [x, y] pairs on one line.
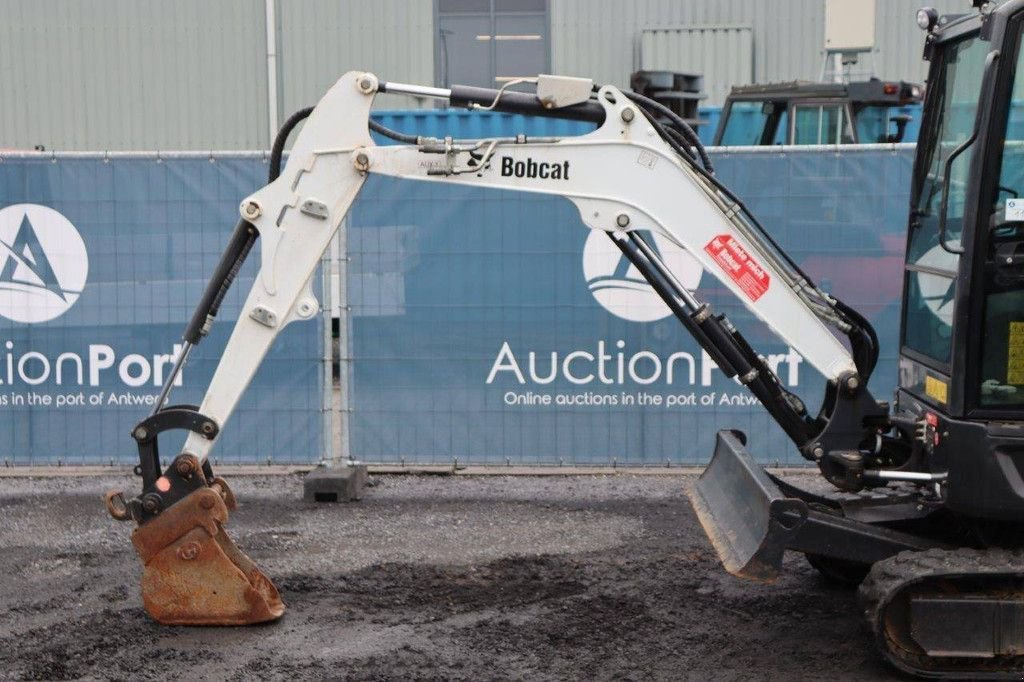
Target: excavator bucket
[[194, 574], [748, 520]]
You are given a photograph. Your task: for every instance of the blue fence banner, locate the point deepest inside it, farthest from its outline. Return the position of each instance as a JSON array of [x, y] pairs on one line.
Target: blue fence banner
[[484, 326], [102, 260], [490, 326]]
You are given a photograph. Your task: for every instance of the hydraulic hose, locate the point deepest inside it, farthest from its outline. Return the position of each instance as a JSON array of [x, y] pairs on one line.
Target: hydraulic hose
[[230, 263], [282, 138], [865, 344], [393, 134], [241, 243], [679, 124], [672, 137]]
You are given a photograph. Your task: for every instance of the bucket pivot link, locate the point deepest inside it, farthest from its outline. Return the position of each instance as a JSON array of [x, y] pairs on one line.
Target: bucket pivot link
[[193, 574]]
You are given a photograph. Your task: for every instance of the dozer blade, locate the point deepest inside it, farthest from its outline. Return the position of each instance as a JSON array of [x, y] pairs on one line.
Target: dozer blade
[[194, 574], [748, 520]]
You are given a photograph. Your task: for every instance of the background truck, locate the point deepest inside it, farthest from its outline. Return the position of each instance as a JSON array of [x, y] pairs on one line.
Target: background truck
[[803, 112]]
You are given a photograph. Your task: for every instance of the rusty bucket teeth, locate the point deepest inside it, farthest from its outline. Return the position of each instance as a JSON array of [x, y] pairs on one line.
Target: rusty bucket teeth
[[194, 574]]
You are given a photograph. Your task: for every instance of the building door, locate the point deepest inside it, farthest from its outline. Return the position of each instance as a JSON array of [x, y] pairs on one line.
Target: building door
[[486, 43]]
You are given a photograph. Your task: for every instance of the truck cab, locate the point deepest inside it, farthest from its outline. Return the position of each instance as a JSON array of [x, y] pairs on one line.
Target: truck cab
[[805, 113]]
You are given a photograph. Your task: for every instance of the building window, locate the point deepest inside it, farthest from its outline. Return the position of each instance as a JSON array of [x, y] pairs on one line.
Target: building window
[[488, 42]]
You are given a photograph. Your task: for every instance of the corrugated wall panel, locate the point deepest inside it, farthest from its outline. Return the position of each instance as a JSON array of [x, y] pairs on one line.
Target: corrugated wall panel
[[191, 74], [898, 41], [132, 74], [693, 49], [601, 38], [322, 39]]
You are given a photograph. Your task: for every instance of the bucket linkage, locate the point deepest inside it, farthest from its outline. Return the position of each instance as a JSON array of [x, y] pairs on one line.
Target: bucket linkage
[[193, 574]]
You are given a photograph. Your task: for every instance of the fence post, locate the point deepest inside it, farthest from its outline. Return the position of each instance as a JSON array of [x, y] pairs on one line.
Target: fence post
[[343, 405], [327, 395], [338, 478]]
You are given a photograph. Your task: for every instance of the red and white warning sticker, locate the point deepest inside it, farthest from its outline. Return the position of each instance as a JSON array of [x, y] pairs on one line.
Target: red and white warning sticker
[[740, 265]]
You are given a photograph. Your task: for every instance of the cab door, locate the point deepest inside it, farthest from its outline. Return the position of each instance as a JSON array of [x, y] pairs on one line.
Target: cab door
[[963, 319], [994, 361], [939, 197]]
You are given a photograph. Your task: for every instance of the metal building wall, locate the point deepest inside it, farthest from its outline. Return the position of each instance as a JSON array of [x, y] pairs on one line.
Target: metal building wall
[[132, 74], [189, 74], [601, 38], [663, 49], [322, 39], [192, 74]]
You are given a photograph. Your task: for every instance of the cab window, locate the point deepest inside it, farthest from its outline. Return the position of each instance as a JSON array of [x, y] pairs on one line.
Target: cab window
[[1002, 352], [873, 124], [932, 267], [821, 124], [754, 123], [877, 123]]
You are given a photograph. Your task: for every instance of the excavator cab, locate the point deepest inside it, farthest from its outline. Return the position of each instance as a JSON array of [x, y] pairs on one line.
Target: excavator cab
[[961, 370], [934, 536]]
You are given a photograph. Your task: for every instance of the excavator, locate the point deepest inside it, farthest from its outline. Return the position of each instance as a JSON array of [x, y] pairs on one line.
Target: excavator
[[922, 502]]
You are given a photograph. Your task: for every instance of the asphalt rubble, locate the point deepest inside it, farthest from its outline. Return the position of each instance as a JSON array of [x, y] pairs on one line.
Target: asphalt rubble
[[428, 577]]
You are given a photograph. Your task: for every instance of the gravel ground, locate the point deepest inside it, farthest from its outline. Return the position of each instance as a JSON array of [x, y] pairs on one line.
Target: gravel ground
[[429, 577]]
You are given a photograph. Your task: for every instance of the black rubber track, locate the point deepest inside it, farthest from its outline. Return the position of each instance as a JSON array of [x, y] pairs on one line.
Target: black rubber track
[[888, 580]]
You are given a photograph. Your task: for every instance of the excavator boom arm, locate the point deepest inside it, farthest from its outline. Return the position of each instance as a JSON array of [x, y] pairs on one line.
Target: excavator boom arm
[[623, 177]]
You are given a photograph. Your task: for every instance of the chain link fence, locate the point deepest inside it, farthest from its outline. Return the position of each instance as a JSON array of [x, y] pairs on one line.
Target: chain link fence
[[470, 326], [102, 259], [491, 327]]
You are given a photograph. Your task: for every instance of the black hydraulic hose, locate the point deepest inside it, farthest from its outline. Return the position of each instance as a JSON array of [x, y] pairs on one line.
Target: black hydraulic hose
[[645, 104], [282, 138], [239, 246], [677, 136], [682, 126], [680, 136], [393, 134], [298, 116], [670, 136], [865, 344], [728, 193], [673, 137], [673, 141], [863, 338]]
